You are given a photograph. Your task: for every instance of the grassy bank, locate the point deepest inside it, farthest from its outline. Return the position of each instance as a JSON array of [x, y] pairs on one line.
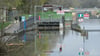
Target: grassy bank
[[54, 15], [3, 25], [49, 14]]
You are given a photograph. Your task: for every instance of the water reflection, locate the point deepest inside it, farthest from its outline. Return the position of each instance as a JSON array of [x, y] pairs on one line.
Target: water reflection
[[45, 41], [92, 44]]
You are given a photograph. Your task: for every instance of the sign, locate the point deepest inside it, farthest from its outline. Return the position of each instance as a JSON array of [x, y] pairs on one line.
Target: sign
[[61, 12], [86, 16], [87, 53], [80, 15], [81, 53], [23, 18], [80, 20]]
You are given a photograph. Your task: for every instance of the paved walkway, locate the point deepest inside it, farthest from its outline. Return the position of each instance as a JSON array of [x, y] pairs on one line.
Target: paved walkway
[[10, 29], [14, 27]]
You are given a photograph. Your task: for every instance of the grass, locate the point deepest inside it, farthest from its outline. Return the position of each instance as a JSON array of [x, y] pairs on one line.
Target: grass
[[54, 15], [49, 14], [3, 25]]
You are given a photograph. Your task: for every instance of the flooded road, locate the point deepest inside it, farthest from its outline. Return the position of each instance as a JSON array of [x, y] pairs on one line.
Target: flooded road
[[70, 45], [48, 43], [76, 45], [92, 46]]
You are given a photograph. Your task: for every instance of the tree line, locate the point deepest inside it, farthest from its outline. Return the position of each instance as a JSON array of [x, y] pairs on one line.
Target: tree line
[[26, 5]]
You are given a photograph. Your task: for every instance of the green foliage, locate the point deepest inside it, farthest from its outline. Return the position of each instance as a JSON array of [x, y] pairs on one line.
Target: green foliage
[[42, 2], [3, 25], [18, 2], [12, 3]]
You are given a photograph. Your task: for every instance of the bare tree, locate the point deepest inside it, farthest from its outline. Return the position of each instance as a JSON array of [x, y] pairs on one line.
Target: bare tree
[[89, 3], [65, 3]]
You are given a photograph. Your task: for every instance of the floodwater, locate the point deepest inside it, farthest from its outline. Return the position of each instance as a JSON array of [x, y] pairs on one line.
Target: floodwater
[[48, 43], [76, 45]]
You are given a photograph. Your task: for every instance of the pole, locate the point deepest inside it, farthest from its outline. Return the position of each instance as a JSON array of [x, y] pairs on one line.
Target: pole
[[35, 14], [84, 43], [35, 45], [25, 30]]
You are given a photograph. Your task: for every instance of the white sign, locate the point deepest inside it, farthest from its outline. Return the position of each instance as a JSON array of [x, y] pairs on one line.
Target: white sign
[[80, 20], [86, 16], [61, 12], [80, 15], [23, 18], [81, 49]]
